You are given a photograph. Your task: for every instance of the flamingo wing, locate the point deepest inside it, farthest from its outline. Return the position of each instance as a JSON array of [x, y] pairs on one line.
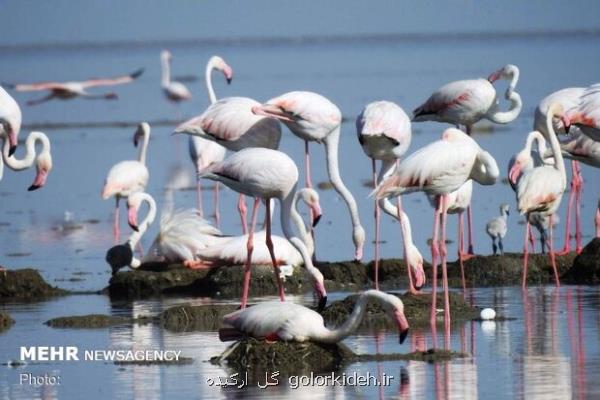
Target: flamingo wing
[[118, 80], [37, 86], [125, 178]]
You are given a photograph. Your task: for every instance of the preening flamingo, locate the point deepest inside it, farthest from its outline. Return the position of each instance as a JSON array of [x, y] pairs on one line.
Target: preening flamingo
[[173, 90], [288, 321], [540, 189], [43, 160], [497, 227], [70, 90], [569, 99], [10, 120], [204, 152], [121, 255], [383, 130], [128, 177], [586, 115], [439, 169], [265, 174], [313, 117], [467, 101]]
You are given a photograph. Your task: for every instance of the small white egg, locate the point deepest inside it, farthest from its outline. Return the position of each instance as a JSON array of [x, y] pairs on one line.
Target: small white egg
[[488, 313]]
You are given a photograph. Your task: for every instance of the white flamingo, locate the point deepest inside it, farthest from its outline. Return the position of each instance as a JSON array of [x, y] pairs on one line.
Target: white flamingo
[[70, 90], [586, 115], [288, 321], [313, 117], [43, 160], [173, 90], [383, 130], [266, 174], [10, 120], [128, 177], [497, 228], [439, 169]]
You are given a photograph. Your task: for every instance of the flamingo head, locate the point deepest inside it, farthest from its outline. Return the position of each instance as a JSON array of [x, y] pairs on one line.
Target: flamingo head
[[311, 198], [394, 307], [506, 72], [320, 291], [142, 129], [43, 167], [111, 96], [11, 128], [133, 205], [273, 110], [358, 237], [522, 161], [119, 256], [166, 55], [415, 262]]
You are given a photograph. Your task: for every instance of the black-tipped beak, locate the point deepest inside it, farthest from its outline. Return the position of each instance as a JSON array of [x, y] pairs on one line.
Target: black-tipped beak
[[12, 150], [134, 227], [33, 187], [316, 220], [322, 304], [567, 129], [229, 81], [418, 287], [403, 335]]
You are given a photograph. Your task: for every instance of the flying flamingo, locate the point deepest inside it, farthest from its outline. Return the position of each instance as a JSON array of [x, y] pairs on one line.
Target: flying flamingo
[[70, 90], [439, 169], [128, 177], [569, 99], [313, 117], [467, 101], [288, 321], [173, 90], [383, 130], [540, 189], [265, 174], [204, 152], [10, 120], [496, 228], [43, 160], [231, 123]]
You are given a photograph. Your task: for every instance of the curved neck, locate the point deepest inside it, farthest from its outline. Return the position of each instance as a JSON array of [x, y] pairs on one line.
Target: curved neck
[[212, 97], [26, 162], [352, 323], [135, 237], [165, 71], [331, 148], [504, 117], [485, 171], [555, 145], [299, 222], [144, 148]]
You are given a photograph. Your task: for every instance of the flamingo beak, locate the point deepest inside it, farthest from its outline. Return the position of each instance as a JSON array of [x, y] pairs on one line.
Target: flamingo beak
[[12, 140], [272, 111], [228, 72], [40, 179], [494, 77], [402, 325], [514, 173], [358, 253], [317, 214], [132, 218], [419, 275], [566, 123], [322, 295]]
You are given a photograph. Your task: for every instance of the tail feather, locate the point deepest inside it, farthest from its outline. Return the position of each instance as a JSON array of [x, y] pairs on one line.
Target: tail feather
[[390, 186]]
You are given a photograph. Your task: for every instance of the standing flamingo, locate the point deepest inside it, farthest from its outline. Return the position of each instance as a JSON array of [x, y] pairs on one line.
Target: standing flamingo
[[204, 152], [496, 228], [70, 90], [439, 169], [128, 177], [586, 115], [313, 117], [383, 130], [540, 189], [43, 160], [569, 99], [467, 101], [173, 90], [288, 321], [10, 120], [265, 174]]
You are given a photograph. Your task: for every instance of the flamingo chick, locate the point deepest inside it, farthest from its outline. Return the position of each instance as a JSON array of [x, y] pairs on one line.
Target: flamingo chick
[[496, 228]]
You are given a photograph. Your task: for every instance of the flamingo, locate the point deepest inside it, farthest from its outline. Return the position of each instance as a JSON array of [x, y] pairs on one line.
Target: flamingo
[[383, 130], [265, 174], [496, 228], [313, 117], [439, 169], [540, 189], [288, 321], [121, 255], [70, 90], [586, 115], [173, 90], [10, 120], [568, 98], [542, 224], [128, 177], [467, 101], [204, 152], [43, 160]]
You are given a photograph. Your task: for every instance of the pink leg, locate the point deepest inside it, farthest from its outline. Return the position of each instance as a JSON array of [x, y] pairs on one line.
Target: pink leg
[[598, 222], [552, 258], [411, 286], [567, 247], [250, 248], [461, 244], [470, 222], [531, 239], [243, 212], [116, 230], [445, 275], [525, 255], [217, 206], [199, 194], [272, 251], [376, 227], [434, 255], [309, 184], [579, 189]]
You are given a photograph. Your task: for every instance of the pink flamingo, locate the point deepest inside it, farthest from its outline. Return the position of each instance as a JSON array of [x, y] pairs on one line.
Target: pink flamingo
[[467, 101], [204, 152], [568, 98], [43, 160], [70, 90], [10, 120], [274, 320], [586, 115], [313, 117], [265, 174], [383, 130], [128, 177], [540, 189], [439, 169]]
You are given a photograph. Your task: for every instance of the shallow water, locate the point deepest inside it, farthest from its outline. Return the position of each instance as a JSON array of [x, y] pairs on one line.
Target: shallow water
[[550, 351]]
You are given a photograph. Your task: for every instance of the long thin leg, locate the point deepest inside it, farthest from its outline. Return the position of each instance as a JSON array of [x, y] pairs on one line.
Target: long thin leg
[[470, 222], [217, 206], [44, 99], [500, 245], [597, 221], [434, 255], [250, 248], [525, 255], [552, 257], [376, 212], [243, 212], [578, 191], [199, 194], [461, 247], [567, 247], [272, 251], [116, 230], [445, 275], [494, 247], [411, 286], [532, 240], [309, 185]]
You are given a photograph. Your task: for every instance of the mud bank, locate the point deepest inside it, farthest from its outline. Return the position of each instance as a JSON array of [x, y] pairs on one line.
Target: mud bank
[[188, 318], [5, 321], [26, 285], [586, 266], [94, 321]]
